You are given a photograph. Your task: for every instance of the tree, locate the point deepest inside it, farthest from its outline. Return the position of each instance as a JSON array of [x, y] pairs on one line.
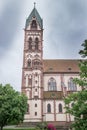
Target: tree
[[79, 99], [13, 105], [83, 68]]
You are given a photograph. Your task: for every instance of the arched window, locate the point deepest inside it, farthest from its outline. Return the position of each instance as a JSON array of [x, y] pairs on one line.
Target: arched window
[[48, 108], [36, 43], [37, 63], [30, 81], [35, 113], [60, 107], [29, 63], [30, 43], [34, 24], [52, 84], [35, 105], [71, 85], [28, 108]]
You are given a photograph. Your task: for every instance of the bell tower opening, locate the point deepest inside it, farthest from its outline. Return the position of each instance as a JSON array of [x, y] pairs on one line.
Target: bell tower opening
[[30, 43], [36, 43], [33, 24]]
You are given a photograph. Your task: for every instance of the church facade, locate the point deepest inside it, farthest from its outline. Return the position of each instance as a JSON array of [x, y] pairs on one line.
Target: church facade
[[45, 81]]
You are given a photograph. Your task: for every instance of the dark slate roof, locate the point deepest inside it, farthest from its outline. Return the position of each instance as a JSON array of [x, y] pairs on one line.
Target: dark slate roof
[[34, 13]]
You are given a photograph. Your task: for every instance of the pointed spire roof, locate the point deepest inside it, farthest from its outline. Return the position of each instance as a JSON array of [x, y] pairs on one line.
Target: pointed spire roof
[[35, 14]]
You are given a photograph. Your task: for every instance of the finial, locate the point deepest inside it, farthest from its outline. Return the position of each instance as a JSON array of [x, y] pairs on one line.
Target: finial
[[34, 4]]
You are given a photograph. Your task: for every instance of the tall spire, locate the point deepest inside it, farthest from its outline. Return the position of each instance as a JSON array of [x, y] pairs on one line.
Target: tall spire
[[34, 14]]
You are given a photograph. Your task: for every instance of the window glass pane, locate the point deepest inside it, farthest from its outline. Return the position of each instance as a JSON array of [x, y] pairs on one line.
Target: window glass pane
[[72, 85], [60, 107], [30, 43], [52, 84], [35, 105], [29, 63], [27, 107], [35, 113], [48, 108], [36, 43]]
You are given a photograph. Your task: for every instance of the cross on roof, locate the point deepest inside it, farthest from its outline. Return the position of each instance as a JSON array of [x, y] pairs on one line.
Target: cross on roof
[[34, 4]]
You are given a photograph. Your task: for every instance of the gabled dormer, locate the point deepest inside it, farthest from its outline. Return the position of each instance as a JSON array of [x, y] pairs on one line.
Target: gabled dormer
[[34, 21]]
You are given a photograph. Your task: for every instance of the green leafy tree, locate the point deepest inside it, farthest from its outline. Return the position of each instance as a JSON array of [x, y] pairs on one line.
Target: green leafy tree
[[13, 105], [82, 81], [79, 99]]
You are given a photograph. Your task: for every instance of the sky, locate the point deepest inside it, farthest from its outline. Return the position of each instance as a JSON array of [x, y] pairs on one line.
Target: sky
[[65, 29]]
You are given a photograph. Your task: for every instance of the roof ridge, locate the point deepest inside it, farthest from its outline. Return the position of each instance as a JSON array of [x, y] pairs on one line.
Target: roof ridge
[[62, 59]]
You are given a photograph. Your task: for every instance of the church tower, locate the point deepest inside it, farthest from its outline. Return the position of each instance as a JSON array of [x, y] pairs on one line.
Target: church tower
[[32, 71]]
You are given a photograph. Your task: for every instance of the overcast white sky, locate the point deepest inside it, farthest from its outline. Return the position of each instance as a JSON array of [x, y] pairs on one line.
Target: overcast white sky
[[65, 29]]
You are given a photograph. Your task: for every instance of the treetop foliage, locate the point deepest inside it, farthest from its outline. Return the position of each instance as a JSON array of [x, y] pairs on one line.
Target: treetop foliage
[[13, 105], [83, 52], [79, 99]]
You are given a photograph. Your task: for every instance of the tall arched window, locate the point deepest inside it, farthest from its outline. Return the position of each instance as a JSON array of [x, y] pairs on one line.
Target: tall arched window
[[48, 108], [52, 85], [30, 43], [29, 63], [36, 43], [34, 24], [30, 81], [28, 108], [71, 85], [60, 108]]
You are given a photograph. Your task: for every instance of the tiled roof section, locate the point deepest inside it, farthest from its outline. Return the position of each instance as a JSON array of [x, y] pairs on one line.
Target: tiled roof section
[[34, 14], [53, 95], [60, 65]]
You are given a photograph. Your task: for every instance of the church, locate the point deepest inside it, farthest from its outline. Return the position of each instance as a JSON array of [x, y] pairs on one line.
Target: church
[[45, 81]]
